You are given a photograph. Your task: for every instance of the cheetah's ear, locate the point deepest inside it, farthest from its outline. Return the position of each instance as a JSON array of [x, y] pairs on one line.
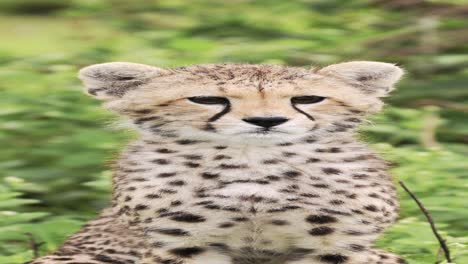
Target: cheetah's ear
[[374, 78], [108, 81]]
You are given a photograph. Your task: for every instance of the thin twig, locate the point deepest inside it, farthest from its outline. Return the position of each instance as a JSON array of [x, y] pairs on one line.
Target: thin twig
[[34, 244], [442, 243]]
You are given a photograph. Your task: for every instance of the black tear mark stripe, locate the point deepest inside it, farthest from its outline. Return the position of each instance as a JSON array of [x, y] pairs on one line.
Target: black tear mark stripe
[[302, 112], [227, 109]]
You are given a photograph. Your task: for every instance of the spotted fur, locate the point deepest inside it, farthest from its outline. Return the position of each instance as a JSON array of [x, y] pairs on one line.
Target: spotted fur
[[201, 186]]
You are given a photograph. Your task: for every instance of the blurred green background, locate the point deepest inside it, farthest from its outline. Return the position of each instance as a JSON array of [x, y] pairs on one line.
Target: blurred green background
[[56, 141]]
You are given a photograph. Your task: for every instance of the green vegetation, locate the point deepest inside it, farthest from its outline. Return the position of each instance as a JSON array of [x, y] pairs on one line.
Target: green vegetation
[[56, 142]]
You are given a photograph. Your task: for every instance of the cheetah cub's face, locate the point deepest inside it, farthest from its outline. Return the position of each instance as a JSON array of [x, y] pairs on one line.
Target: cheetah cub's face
[[241, 101]]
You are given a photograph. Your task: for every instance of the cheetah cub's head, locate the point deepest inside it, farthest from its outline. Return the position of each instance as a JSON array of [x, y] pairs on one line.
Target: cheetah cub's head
[[242, 101]]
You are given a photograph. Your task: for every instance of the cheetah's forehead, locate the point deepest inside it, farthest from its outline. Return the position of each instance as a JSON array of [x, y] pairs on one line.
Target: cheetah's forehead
[[251, 72]]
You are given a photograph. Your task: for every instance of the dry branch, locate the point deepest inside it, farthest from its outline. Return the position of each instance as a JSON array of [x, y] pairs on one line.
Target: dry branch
[[442, 242]]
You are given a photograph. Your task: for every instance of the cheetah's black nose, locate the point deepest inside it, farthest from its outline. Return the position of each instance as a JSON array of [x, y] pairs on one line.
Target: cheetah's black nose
[[265, 122]]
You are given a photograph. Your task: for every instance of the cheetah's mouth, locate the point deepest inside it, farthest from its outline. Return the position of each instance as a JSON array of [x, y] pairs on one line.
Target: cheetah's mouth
[[263, 132]]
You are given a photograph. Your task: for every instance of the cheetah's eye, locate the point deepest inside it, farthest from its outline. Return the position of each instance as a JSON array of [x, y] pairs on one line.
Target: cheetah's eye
[[309, 99], [209, 100]]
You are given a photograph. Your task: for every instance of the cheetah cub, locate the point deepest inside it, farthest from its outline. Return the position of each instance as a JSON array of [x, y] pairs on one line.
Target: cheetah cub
[[241, 164]]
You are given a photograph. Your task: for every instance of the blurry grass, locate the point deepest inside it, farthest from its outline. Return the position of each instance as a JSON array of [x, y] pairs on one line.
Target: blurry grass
[[56, 141]]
